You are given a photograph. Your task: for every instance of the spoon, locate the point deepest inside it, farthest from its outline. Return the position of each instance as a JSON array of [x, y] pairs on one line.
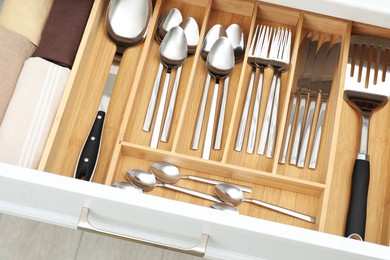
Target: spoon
[[231, 194], [223, 206], [220, 63], [173, 53], [236, 37], [127, 186], [147, 181], [126, 24], [169, 173], [171, 19], [216, 32], [191, 30]]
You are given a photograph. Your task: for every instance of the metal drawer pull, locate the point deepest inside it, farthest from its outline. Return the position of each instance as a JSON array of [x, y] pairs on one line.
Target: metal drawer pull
[[198, 250]]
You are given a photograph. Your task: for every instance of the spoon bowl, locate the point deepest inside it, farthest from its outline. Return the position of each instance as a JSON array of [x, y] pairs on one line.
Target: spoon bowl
[[216, 32], [191, 30], [232, 194], [171, 19], [223, 206], [127, 186]]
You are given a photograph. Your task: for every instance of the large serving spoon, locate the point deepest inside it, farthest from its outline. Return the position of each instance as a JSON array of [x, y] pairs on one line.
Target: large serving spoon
[[191, 30], [231, 194], [216, 32], [236, 36], [169, 173], [171, 19], [126, 24], [147, 182], [220, 63], [173, 53]]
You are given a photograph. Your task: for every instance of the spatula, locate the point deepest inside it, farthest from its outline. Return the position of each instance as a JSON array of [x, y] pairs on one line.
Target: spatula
[[365, 90]]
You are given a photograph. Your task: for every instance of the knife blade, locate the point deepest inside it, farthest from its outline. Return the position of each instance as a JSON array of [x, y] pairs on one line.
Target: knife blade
[[303, 83], [303, 53], [314, 85], [90, 152], [327, 80]]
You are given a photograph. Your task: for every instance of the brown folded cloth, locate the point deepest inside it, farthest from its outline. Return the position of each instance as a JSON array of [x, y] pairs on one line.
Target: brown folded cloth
[[15, 49], [63, 31]]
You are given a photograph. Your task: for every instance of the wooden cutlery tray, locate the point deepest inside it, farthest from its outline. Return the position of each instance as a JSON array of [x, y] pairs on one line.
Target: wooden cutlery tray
[[323, 192]]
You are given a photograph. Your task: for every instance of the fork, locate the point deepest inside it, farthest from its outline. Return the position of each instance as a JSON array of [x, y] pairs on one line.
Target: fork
[[279, 59], [366, 91]]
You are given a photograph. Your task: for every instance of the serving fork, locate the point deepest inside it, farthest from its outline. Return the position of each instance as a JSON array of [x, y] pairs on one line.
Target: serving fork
[[365, 90]]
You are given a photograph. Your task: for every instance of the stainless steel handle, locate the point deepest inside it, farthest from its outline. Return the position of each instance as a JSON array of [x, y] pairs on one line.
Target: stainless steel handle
[[293, 107], [245, 112], [274, 119], [153, 98], [215, 182], [298, 130], [285, 211], [189, 192], [255, 115], [171, 107], [306, 133], [210, 124], [267, 117], [317, 135], [160, 112], [197, 250], [222, 112], [202, 108]]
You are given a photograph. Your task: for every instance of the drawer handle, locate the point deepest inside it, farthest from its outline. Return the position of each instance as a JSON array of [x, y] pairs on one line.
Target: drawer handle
[[198, 250]]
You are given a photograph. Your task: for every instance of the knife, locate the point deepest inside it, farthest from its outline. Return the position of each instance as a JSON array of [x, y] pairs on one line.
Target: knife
[[89, 154], [326, 84], [303, 83], [314, 85]]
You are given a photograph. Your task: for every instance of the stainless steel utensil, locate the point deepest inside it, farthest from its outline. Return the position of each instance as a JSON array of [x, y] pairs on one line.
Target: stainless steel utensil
[[127, 186], [279, 59], [366, 90], [173, 53], [236, 36], [126, 24], [231, 194], [147, 181], [216, 32], [220, 63], [171, 19], [223, 206], [191, 31], [169, 173]]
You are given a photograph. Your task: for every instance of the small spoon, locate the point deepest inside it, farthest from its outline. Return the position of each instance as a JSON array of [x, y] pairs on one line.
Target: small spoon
[[191, 30], [231, 194], [216, 32], [171, 19], [147, 181], [220, 63], [127, 186], [169, 173], [236, 36], [223, 206], [173, 53]]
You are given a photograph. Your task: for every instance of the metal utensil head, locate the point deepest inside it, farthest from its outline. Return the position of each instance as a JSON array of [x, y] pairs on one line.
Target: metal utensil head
[[140, 178], [368, 69], [171, 19], [280, 49], [173, 48], [191, 30], [220, 61], [236, 36], [165, 172], [127, 21], [216, 32]]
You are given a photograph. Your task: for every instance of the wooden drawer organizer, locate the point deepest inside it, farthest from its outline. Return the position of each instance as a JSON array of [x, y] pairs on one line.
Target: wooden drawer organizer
[[323, 192]]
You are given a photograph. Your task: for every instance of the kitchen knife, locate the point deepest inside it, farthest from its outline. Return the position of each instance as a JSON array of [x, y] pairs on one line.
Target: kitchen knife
[[314, 85], [90, 152], [303, 89]]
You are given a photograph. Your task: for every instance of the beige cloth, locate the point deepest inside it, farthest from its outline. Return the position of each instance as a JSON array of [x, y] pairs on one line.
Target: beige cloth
[[31, 112], [15, 49], [26, 17]]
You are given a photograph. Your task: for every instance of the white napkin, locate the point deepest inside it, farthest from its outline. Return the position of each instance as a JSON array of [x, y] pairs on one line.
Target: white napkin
[[31, 111]]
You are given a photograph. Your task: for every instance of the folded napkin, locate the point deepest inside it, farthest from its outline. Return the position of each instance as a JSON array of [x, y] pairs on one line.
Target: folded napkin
[[26, 17], [30, 114], [15, 49], [63, 31]]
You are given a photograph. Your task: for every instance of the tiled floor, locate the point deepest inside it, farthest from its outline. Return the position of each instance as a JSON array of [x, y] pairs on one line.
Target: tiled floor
[[30, 240]]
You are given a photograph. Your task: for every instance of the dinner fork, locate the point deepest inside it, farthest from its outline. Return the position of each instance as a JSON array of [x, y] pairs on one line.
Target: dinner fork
[[365, 90], [279, 59]]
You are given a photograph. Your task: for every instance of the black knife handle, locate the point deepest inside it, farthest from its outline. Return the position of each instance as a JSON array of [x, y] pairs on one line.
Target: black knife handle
[[356, 218], [90, 152]]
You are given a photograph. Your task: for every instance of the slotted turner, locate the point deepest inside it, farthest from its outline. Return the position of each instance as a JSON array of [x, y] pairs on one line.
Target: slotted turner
[[366, 90]]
